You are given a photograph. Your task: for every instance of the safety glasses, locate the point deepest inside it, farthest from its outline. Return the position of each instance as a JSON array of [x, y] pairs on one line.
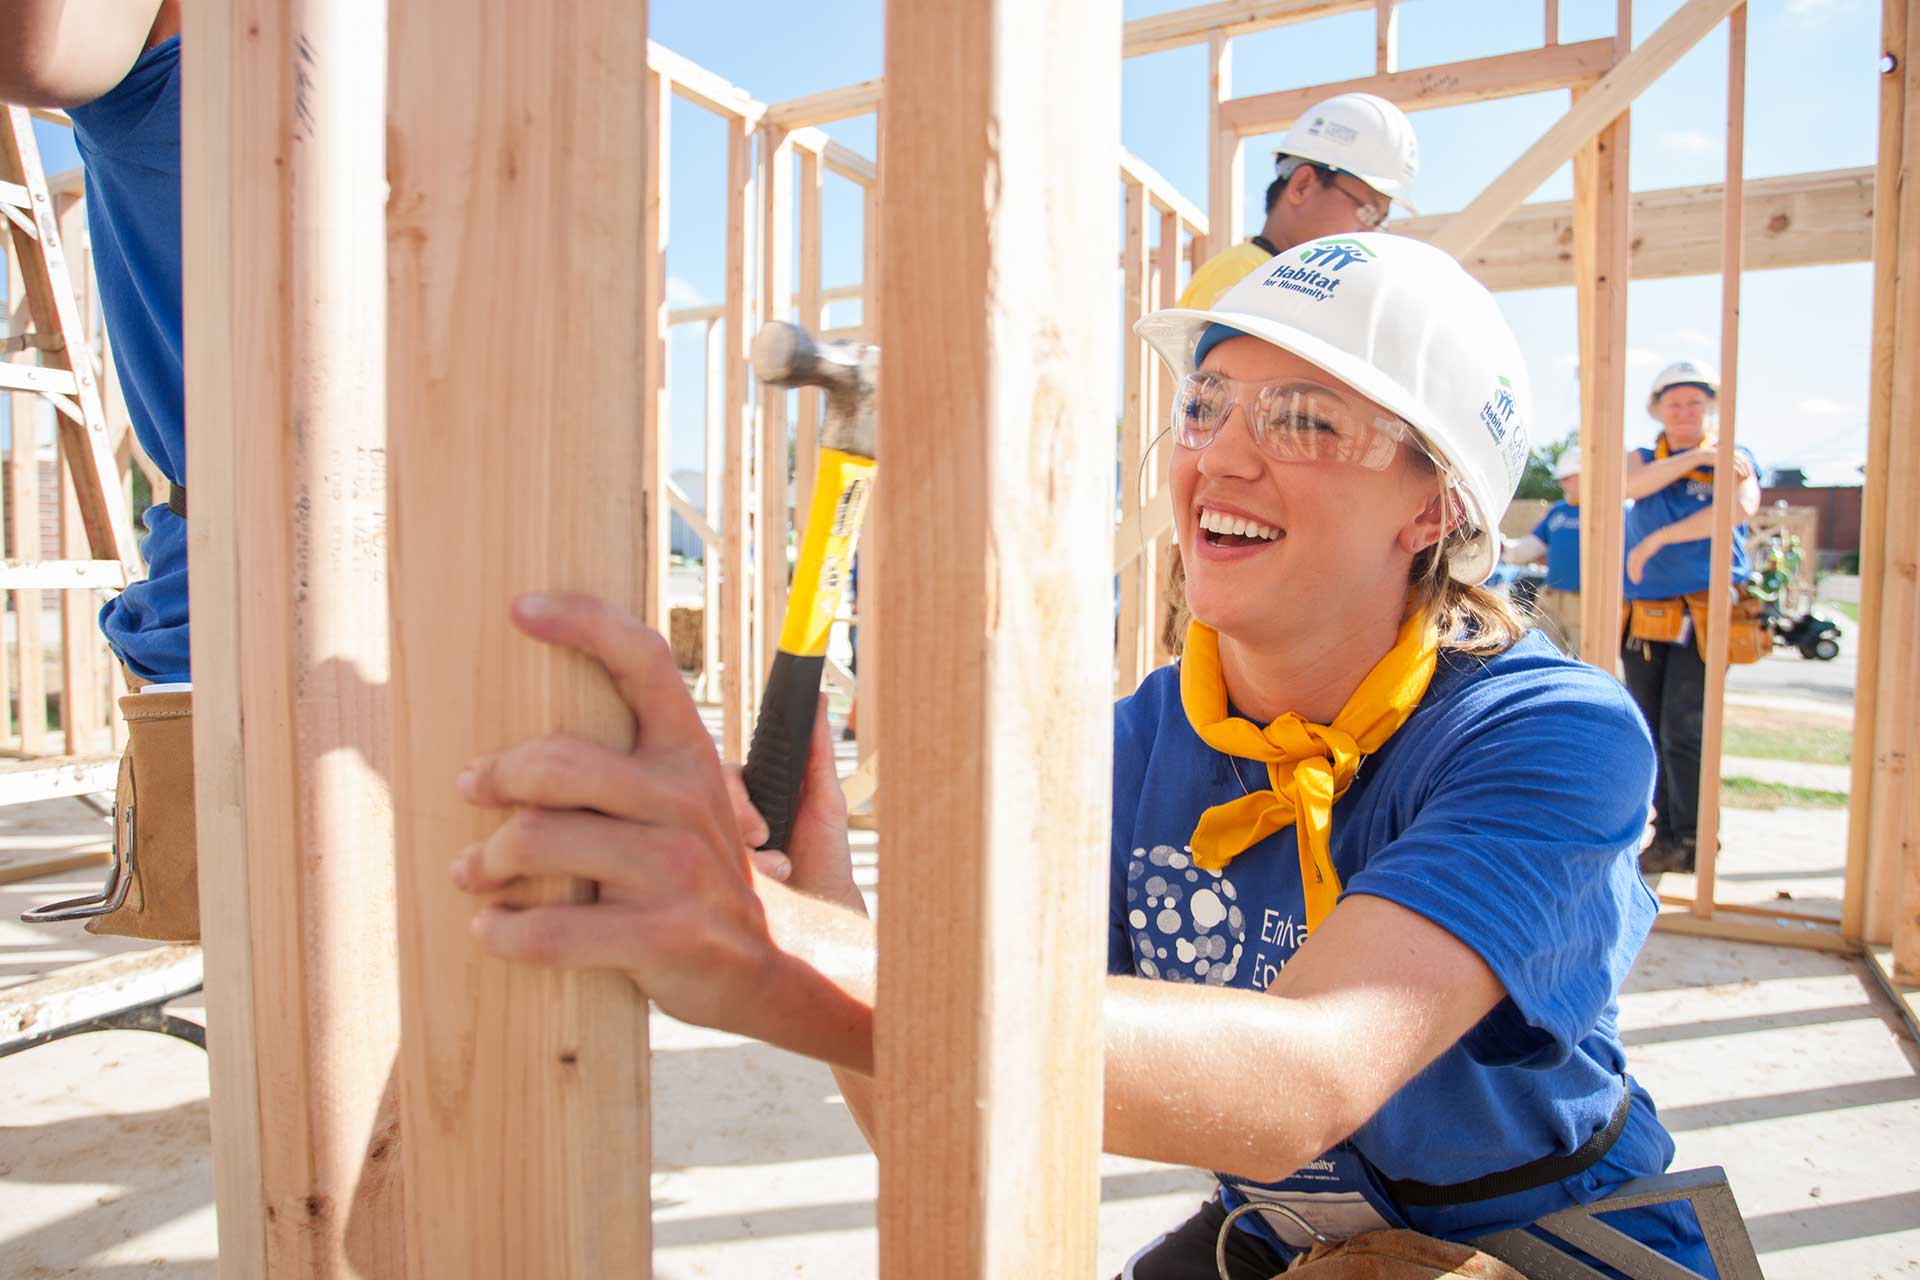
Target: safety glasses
[[1290, 420], [1370, 216]]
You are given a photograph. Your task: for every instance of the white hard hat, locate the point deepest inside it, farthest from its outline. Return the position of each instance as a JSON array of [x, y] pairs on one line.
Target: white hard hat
[[1361, 134], [1569, 464], [1683, 373], [1403, 324]]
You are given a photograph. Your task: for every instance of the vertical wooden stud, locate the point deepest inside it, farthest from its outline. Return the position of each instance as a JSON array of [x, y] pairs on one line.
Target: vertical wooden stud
[[999, 353], [1601, 211], [23, 511], [656, 463], [1880, 816], [737, 682], [1726, 485], [714, 504], [1386, 36], [1226, 167], [776, 478], [525, 1119], [80, 719], [806, 431], [871, 560], [1161, 467], [282, 189], [1136, 364], [1552, 17]]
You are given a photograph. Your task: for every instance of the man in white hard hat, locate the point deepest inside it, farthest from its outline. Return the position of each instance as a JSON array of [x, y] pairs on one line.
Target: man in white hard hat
[[1668, 583], [1338, 170], [1556, 540]]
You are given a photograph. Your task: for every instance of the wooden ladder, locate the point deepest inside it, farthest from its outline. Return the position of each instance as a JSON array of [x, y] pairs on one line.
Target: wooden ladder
[[61, 370]]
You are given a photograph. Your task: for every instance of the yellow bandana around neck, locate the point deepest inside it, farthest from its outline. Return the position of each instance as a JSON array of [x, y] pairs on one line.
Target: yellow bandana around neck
[[1309, 766], [1661, 449]]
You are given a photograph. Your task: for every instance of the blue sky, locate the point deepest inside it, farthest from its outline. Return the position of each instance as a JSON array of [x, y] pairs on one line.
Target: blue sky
[[1812, 92], [1812, 104]]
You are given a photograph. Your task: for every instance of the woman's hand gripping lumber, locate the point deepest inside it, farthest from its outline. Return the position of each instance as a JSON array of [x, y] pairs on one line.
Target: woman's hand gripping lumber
[[681, 906]]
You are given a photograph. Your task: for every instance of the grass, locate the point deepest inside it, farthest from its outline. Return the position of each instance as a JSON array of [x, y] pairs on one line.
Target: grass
[[1745, 793], [1763, 733], [1847, 607]]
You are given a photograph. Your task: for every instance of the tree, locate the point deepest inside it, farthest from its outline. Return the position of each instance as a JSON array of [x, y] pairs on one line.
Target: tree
[[1537, 481]]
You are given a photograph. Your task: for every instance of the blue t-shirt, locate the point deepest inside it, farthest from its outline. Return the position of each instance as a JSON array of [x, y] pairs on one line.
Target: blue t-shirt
[[1560, 530], [1682, 568], [129, 141], [1481, 815]]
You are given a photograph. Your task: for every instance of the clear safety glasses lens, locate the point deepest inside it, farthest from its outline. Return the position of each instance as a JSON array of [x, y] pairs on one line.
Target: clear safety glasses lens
[[1290, 421]]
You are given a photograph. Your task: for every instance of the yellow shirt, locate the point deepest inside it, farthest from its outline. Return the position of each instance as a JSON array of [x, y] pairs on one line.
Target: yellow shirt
[[1221, 272]]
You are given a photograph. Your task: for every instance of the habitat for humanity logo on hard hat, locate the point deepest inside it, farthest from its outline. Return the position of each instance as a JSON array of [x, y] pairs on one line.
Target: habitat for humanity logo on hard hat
[[1321, 263], [1497, 416], [1325, 128]]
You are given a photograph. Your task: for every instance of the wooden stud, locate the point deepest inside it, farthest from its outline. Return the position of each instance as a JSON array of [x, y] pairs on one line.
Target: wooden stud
[[1178, 28], [1720, 549], [1386, 36], [656, 463], [1164, 195], [774, 521], [871, 560], [1896, 812], [1552, 17], [1161, 470], [999, 353], [1591, 113], [1793, 220], [1134, 625], [1573, 66], [1226, 167], [806, 432], [827, 106], [81, 721], [1785, 933], [713, 494], [83, 715], [1892, 813], [23, 513], [524, 1089], [1602, 241], [736, 601], [284, 286], [1887, 205]]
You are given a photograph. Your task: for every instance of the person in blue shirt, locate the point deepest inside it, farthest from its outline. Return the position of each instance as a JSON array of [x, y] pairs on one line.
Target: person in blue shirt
[[1669, 554], [1368, 917], [115, 66], [1556, 539]]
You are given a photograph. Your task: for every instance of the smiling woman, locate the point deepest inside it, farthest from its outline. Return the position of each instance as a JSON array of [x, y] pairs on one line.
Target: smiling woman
[[1352, 844]]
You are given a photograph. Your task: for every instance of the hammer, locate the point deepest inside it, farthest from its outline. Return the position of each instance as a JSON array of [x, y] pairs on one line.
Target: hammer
[[786, 355]]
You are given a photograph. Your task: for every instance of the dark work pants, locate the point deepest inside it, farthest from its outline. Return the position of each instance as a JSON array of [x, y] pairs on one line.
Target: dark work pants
[[1669, 684], [1186, 1252]]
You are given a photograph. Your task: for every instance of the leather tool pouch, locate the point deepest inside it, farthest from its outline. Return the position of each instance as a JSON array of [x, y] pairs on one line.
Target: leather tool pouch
[[153, 885]]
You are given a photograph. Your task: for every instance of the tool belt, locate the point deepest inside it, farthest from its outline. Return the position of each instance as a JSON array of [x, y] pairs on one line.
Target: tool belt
[[1664, 621], [153, 884]]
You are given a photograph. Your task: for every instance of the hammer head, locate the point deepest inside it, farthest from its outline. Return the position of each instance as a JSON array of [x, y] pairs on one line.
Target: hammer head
[[785, 355]]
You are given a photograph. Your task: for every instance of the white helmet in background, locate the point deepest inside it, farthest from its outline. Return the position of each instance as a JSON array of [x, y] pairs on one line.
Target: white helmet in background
[[1569, 464], [1403, 324], [1361, 134], [1683, 373]]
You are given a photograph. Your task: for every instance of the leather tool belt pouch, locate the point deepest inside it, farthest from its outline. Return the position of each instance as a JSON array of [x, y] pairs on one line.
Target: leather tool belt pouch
[[153, 885], [1748, 639], [1657, 620]]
